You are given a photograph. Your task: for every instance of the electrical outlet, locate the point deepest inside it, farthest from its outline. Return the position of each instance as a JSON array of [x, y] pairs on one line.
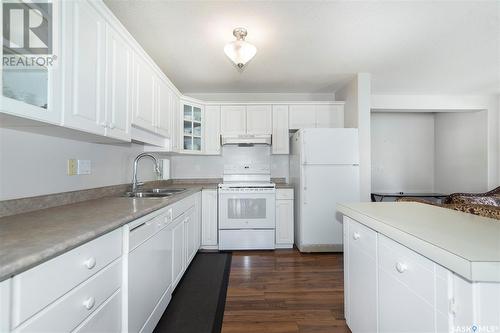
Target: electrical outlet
[[72, 167], [83, 167]]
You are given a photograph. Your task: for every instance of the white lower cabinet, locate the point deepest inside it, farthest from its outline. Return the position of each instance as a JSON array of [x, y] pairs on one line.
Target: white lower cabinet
[[120, 282], [69, 311], [284, 218], [209, 228], [178, 241], [360, 284], [390, 288]]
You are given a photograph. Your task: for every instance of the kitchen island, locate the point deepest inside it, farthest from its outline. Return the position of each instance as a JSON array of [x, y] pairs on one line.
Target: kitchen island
[[420, 268]]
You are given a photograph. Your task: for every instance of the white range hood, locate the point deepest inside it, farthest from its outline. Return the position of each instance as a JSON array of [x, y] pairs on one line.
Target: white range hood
[[246, 140]]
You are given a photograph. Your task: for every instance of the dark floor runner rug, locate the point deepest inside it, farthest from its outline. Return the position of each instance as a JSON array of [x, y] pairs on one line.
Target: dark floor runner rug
[[197, 304]]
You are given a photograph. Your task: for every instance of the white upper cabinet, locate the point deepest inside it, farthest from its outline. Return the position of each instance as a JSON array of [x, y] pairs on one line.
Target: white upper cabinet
[[165, 107], [212, 129], [233, 119], [280, 136], [118, 85], [193, 131], [259, 119], [316, 116], [36, 93], [144, 94], [329, 116], [85, 54], [175, 131], [302, 116]]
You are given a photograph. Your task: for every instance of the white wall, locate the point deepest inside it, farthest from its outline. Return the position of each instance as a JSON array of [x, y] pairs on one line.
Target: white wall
[[449, 103], [461, 152], [402, 150], [262, 97], [189, 166], [34, 164], [357, 95]]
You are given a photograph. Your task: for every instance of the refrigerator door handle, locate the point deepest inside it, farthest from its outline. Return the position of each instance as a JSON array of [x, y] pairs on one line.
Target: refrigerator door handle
[[305, 186]]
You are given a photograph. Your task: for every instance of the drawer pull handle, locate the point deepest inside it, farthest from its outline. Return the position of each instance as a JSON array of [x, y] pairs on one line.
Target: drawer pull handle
[[89, 303], [356, 236], [401, 268], [90, 263]]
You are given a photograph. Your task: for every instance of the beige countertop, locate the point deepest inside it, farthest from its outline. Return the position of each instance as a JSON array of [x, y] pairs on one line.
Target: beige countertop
[[466, 244], [29, 239]]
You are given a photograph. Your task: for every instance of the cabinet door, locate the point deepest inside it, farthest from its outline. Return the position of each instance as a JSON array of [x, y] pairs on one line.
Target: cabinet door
[[284, 222], [192, 127], [190, 227], [407, 293], [164, 108], [118, 85], [209, 218], [259, 119], [175, 130], [85, 50], [362, 272], [302, 116], [144, 94], [280, 136], [178, 252], [233, 119], [329, 116], [36, 93], [212, 129]]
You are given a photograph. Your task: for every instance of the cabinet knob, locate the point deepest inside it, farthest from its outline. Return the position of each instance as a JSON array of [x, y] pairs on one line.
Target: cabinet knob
[[400, 267], [112, 125], [90, 263], [104, 124], [89, 303], [356, 236]]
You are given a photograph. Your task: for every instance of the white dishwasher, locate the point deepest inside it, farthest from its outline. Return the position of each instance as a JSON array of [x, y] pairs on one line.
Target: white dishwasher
[[149, 272]]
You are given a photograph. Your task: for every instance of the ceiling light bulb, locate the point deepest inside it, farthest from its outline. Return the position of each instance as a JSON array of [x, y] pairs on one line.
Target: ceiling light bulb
[[239, 51]]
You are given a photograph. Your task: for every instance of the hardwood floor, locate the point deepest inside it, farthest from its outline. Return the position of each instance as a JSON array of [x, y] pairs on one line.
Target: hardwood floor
[[285, 291]]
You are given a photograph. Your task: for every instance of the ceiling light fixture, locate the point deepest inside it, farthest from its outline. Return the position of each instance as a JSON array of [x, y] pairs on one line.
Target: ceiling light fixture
[[239, 51]]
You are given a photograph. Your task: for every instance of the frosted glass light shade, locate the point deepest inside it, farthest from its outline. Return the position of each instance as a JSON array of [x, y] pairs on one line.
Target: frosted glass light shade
[[240, 52]]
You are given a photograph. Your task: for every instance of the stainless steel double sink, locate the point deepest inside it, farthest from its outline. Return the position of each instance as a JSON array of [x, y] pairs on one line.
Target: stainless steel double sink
[[155, 193]]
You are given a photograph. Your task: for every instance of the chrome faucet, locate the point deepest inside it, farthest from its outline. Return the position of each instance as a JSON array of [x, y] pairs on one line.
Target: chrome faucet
[[135, 183]]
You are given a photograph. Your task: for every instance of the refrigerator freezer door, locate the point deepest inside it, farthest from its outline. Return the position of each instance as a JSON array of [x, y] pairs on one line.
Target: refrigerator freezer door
[[323, 187], [330, 146]]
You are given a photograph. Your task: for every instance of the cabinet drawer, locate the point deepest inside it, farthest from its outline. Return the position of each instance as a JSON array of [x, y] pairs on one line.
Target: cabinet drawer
[[362, 237], [284, 194], [69, 311], [38, 287], [412, 269], [107, 318]]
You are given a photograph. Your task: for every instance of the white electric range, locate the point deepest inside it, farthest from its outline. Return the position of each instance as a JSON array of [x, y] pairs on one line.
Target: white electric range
[[247, 208]]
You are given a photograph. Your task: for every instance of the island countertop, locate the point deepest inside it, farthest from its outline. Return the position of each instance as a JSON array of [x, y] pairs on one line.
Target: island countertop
[[466, 244]]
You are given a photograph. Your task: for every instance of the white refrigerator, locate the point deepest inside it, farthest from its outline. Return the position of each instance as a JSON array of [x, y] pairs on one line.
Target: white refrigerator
[[324, 169]]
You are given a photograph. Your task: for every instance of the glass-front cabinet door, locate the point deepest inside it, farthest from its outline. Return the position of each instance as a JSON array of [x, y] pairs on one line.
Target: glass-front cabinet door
[[31, 66], [192, 128]]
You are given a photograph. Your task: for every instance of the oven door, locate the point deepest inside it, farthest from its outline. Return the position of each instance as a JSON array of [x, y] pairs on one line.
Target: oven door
[[247, 210]]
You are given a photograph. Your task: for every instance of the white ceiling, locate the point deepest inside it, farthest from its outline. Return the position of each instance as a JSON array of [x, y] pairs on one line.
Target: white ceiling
[[412, 47]]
